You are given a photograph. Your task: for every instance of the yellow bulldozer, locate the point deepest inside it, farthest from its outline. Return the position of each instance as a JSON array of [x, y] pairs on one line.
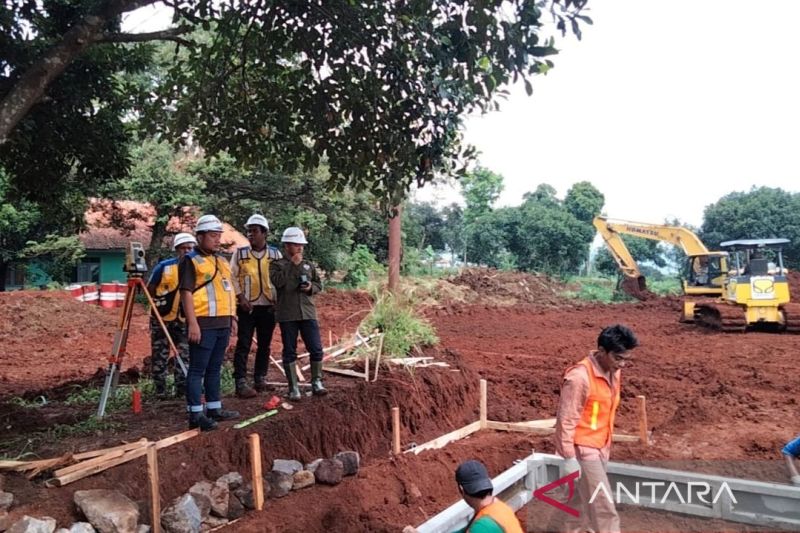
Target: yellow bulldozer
[[742, 287]]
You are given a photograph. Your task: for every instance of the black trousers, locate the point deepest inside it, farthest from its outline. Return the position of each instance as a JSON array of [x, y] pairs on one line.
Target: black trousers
[[262, 321], [309, 330]]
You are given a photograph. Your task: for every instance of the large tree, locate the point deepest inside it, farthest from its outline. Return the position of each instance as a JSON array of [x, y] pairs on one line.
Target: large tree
[[761, 212], [377, 87]]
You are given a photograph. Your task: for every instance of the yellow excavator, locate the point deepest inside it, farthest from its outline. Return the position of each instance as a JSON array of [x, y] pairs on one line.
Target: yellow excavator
[[729, 290]]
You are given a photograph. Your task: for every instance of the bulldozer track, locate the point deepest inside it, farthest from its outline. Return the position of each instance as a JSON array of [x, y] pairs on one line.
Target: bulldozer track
[[791, 315], [721, 316]]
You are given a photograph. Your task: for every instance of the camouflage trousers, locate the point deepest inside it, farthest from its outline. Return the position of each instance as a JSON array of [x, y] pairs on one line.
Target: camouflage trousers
[[160, 354]]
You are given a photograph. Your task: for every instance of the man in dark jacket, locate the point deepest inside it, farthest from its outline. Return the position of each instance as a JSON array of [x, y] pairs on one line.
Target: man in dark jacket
[[296, 282]]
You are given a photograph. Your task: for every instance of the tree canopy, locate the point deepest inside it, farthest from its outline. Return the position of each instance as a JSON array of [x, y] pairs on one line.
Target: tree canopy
[[761, 212], [377, 88]]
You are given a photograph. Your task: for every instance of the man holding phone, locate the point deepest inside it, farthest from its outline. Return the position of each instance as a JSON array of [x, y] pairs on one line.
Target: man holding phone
[[296, 281]]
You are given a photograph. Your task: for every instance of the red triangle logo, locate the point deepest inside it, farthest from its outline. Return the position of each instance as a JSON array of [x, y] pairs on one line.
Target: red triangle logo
[[570, 480]]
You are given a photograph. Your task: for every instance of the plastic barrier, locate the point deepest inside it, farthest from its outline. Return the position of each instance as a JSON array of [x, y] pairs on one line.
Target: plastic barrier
[[108, 295], [91, 294], [76, 291]]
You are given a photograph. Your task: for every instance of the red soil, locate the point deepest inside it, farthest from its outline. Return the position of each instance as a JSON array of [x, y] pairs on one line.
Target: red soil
[[711, 396]]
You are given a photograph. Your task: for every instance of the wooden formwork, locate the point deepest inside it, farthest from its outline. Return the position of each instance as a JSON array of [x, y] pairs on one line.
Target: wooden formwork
[[545, 426]]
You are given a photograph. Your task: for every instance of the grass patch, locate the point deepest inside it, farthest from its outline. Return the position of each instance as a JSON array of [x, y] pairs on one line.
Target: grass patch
[[604, 290], [404, 330]]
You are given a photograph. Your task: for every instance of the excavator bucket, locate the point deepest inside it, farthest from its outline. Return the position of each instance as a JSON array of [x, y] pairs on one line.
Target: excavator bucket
[[636, 287]]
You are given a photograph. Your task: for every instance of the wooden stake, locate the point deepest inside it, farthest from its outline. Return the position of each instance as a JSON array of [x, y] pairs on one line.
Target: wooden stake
[[643, 420], [396, 430], [330, 338], [255, 471], [366, 365], [378, 358], [155, 492], [483, 419]]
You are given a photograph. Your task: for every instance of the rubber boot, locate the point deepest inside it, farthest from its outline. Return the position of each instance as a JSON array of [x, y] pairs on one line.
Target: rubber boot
[[261, 384], [316, 379], [243, 390], [291, 379], [222, 414], [199, 420]]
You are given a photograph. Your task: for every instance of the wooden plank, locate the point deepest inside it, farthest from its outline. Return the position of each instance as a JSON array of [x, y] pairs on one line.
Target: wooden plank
[[155, 491], [257, 480], [339, 351], [175, 439], [619, 437], [344, 372], [540, 423], [12, 465], [442, 441], [483, 406], [396, 430], [80, 474], [408, 360], [643, 437], [123, 447], [516, 426], [49, 464], [89, 463]]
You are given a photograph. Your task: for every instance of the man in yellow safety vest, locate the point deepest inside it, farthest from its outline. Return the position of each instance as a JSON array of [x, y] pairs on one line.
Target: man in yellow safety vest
[[208, 301], [256, 305]]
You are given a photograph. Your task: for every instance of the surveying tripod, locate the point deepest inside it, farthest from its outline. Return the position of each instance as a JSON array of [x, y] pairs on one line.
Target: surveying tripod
[[135, 282]]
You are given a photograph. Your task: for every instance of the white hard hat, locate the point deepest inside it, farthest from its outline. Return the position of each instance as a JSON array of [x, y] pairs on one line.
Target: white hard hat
[[294, 235], [257, 220], [183, 238], [208, 223]]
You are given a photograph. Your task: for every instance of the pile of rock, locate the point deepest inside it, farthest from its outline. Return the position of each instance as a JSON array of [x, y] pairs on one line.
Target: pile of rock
[[205, 506]]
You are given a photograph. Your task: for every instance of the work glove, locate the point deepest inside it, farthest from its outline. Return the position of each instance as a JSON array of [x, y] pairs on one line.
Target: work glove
[[569, 466], [796, 481]]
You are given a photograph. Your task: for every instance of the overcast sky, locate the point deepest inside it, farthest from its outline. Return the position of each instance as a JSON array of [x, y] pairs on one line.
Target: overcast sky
[[665, 106]]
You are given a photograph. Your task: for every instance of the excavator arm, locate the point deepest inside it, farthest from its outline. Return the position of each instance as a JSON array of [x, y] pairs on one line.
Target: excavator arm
[[677, 235], [633, 282]]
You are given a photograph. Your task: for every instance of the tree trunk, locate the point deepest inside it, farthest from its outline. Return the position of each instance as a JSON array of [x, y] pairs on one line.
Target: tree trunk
[[32, 84], [156, 241], [3, 270], [395, 247]]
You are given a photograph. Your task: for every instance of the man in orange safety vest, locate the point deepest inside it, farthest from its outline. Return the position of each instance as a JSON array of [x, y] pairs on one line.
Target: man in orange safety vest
[[590, 394]]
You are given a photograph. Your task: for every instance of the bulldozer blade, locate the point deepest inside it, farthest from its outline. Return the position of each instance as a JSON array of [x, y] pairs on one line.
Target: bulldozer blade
[[636, 287]]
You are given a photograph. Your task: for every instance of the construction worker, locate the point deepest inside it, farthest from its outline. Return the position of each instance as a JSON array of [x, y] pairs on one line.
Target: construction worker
[[163, 287], [590, 395], [255, 309], [492, 515], [209, 303], [791, 452], [296, 281]]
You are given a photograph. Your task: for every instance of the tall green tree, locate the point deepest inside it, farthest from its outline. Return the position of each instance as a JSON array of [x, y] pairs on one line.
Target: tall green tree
[[158, 176], [584, 201], [761, 212]]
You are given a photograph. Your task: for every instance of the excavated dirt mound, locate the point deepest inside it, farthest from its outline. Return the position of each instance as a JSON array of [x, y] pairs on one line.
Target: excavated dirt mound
[[49, 338], [501, 287]]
